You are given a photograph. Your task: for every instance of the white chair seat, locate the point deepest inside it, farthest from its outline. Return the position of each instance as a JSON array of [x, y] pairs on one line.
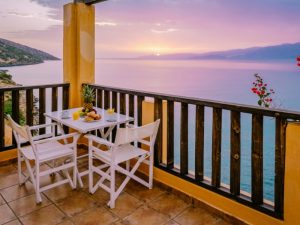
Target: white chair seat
[[47, 151], [122, 153]]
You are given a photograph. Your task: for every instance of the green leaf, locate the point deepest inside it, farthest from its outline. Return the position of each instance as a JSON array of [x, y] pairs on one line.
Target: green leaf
[[259, 102]]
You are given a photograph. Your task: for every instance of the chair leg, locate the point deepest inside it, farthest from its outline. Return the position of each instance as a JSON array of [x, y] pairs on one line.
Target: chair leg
[[21, 181], [91, 173], [151, 171], [112, 187], [74, 170], [37, 185], [31, 173]]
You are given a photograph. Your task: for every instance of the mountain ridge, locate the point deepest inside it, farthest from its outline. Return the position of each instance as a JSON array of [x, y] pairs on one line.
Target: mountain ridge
[[283, 51], [15, 54]]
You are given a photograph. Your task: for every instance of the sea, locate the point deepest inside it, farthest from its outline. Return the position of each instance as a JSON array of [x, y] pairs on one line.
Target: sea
[[228, 81]]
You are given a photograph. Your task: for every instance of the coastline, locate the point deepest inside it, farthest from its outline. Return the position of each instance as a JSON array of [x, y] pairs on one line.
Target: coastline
[[27, 64]]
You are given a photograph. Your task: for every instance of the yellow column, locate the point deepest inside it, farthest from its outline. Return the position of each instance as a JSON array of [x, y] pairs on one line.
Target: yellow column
[[79, 48], [292, 175]]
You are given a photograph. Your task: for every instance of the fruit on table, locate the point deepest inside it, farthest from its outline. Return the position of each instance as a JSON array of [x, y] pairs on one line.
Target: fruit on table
[[88, 95], [90, 116], [110, 111]]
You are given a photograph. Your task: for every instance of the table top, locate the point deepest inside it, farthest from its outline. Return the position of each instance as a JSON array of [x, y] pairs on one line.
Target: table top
[[83, 127]]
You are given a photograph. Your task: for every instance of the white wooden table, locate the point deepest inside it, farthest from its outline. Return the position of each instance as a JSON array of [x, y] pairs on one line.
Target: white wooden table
[[84, 127]]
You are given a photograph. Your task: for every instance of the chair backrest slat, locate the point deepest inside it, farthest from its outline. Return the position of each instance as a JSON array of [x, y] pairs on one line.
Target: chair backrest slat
[[128, 135], [19, 130]]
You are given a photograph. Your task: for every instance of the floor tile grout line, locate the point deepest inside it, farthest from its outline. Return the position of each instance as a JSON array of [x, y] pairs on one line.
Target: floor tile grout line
[[171, 218], [33, 211], [70, 217], [6, 203], [133, 212]]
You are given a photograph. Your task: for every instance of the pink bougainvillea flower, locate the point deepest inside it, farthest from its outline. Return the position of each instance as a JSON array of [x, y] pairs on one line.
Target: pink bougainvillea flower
[[260, 89]]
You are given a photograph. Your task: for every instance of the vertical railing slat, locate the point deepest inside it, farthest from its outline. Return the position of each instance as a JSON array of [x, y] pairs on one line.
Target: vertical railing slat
[[216, 147], [29, 107], [65, 103], [54, 99], [131, 105], [199, 143], [140, 100], [184, 167], [65, 96], [54, 102], [158, 114], [280, 147], [122, 103], [140, 109], [235, 152], [106, 99], [15, 96], [114, 100], [170, 135], [2, 122], [99, 98], [257, 159], [42, 108]]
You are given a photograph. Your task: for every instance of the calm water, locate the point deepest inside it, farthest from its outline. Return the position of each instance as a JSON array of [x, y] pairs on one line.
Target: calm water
[[216, 80]]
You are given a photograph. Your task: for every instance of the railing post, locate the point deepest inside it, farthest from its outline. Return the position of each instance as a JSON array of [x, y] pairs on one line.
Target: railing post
[[216, 147], [257, 159], [170, 135], [279, 164], [2, 123], [42, 108], [29, 107], [184, 139], [199, 143], [158, 114], [235, 153]]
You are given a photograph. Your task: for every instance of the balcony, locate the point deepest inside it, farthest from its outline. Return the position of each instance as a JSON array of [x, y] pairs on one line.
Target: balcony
[[201, 152], [183, 192]]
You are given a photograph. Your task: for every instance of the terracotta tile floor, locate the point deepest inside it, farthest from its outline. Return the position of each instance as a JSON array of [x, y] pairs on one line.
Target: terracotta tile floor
[[62, 205]]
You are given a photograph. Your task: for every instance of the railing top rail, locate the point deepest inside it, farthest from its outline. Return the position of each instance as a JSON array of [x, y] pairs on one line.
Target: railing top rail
[[205, 102], [21, 88]]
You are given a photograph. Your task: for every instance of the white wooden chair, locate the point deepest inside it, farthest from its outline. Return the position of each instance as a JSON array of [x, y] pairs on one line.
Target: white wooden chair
[[45, 149], [119, 152]]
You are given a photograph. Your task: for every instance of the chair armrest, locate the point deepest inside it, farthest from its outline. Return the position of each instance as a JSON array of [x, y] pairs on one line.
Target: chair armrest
[[42, 126], [74, 135], [99, 140]]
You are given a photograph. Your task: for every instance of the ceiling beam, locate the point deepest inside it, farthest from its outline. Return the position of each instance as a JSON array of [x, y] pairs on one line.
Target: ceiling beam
[[89, 2]]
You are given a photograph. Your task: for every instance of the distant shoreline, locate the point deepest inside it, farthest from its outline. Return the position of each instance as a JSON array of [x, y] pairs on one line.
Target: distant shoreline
[[27, 64]]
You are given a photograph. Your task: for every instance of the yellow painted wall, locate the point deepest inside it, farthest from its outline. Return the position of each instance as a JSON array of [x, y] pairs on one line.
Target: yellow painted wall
[[79, 48], [292, 175]]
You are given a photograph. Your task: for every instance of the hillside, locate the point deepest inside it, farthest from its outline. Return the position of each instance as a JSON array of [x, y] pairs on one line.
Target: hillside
[[14, 54], [277, 52]]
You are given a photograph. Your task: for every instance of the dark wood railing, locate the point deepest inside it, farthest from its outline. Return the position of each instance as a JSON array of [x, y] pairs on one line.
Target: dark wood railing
[[130, 102], [28, 105]]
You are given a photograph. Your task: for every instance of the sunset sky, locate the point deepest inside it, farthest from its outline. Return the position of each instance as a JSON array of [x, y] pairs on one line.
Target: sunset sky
[[127, 28]]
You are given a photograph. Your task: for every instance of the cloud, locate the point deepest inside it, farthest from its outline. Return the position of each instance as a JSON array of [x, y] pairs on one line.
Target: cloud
[[22, 15], [170, 30], [52, 3], [106, 24]]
